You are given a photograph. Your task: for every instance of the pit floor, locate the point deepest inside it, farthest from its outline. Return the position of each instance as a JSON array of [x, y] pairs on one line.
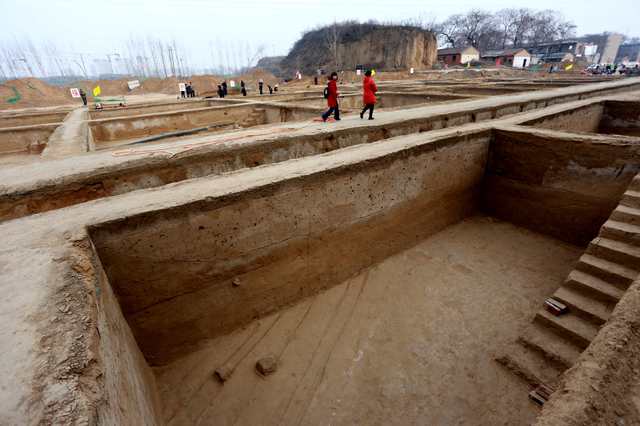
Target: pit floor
[[411, 340]]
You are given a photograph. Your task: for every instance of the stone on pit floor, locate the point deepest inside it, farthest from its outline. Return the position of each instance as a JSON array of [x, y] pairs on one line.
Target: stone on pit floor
[[267, 365]]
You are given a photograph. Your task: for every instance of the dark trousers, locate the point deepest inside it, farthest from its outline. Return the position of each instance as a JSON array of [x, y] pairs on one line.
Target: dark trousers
[[368, 107], [336, 113], [260, 88]]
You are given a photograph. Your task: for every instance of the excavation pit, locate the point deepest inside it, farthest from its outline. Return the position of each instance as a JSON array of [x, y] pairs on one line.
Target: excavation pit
[[384, 267], [607, 117], [283, 269], [130, 129]]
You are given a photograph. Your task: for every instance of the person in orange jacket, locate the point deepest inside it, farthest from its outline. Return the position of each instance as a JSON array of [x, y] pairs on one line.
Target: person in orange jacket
[[369, 90], [331, 93]]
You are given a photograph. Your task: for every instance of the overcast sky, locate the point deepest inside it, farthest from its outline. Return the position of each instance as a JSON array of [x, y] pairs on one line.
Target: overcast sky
[[100, 27]]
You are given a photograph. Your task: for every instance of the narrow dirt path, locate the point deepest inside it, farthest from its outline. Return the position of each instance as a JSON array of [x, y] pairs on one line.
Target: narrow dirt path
[[71, 137]]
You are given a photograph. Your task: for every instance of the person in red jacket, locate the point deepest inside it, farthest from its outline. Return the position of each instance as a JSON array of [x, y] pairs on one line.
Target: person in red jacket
[[332, 98], [369, 90]]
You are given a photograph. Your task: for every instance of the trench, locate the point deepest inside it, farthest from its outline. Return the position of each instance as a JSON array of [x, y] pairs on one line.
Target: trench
[[384, 288]]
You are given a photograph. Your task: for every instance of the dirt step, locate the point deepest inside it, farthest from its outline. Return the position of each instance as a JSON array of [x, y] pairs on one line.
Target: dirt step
[[626, 214], [621, 231], [611, 272], [615, 251], [631, 198], [593, 310], [594, 286], [559, 352], [635, 183], [530, 365], [570, 326]]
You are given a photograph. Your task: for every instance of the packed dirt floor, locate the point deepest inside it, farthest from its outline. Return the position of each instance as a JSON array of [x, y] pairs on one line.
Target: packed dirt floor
[[408, 341]]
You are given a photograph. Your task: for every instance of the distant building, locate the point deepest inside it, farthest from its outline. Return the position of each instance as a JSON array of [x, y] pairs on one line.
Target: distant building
[[562, 51], [516, 58], [609, 48], [559, 57], [597, 48], [628, 53], [458, 55]]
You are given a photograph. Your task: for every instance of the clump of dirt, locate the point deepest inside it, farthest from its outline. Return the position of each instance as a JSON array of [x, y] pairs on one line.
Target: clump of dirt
[[32, 92]]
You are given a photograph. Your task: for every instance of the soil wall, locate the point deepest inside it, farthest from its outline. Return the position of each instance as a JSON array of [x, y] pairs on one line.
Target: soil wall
[[174, 272], [31, 119], [584, 119], [26, 139], [566, 190]]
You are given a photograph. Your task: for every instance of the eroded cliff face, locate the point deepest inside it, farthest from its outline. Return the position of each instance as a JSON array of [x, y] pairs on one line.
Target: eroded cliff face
[[374, 46], [390, 48]]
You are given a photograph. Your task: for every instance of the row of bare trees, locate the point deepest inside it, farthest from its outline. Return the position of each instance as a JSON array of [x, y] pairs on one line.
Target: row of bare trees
[[139, 56], [505, 28]]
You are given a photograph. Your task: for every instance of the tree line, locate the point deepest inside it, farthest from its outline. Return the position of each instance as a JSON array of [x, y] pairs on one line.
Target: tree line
[[503, 29], [138, 56]]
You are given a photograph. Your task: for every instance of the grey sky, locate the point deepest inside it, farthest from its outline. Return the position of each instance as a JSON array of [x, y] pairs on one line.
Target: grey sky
[[100, 27]]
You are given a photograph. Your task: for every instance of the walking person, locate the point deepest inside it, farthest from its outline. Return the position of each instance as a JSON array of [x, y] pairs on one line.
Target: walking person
[[243, 89], [260, 85], [224, 87], [331, 93], [369, 90]]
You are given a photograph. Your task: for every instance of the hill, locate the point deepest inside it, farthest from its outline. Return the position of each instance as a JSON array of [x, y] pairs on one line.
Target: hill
[[342, 46]]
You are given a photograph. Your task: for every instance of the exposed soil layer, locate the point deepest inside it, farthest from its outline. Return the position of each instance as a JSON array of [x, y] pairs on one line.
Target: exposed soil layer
[[408, 341]]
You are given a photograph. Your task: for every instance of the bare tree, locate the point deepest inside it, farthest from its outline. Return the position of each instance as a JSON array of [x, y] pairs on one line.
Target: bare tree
[[332, 39], [450, 29]]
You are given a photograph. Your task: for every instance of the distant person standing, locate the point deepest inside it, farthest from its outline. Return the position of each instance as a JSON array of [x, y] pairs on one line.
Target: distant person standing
[[224, 87], [220, 91], [243, 89], [192, 90], [270, 89], [315, 80], [188, 90], [369, 90], [331, 93], [260, 85], [83, 95], [183, 90]]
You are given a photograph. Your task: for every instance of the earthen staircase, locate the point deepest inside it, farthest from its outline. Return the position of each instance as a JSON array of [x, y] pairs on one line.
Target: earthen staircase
[[255, 118], [551, 344]]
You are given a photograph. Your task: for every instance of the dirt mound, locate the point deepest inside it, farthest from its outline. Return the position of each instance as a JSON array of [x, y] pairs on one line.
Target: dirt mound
[[32, 92], [201, 83]]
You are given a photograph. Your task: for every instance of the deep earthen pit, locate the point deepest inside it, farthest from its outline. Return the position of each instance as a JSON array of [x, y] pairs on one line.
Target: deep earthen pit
[[130, 128], [345, 277]]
